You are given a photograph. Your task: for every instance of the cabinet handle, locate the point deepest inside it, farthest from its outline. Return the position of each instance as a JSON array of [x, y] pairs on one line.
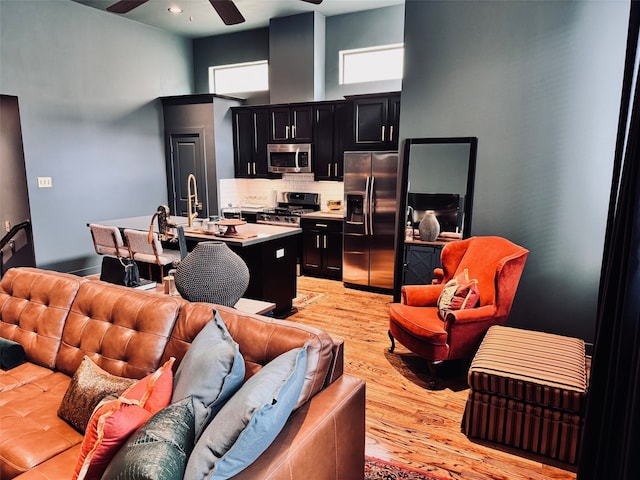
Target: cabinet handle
[[293, 131], [324, 241], [329, 170], [321, 225], [317, 241], [254, 168], [391, 133], [335, 169], [382, 133], [249, 168], [286, 131]]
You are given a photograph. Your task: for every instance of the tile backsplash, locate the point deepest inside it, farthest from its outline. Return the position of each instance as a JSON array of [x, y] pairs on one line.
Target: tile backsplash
[[262, 192]]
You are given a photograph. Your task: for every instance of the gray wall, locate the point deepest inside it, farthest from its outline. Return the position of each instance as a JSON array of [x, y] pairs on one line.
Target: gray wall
[[87, 82], [539, 84], [381, 26], [240, 47]]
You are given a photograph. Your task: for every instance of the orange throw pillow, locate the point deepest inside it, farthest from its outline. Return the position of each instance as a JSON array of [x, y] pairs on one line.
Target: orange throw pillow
[[115, 419]]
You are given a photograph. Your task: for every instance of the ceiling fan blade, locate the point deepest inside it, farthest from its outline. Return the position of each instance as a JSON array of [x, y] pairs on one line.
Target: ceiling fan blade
[[124, 6], [315, 2], [228, 11]]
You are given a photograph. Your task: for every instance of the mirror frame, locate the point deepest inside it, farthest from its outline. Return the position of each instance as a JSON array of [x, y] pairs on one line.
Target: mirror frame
[[402, 190]]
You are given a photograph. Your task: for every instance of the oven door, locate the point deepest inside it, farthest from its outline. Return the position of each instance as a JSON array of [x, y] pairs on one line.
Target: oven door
[[289, 158]]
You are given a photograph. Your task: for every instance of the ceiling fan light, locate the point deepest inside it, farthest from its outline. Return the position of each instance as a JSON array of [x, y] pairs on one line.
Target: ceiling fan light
[[175, 10]]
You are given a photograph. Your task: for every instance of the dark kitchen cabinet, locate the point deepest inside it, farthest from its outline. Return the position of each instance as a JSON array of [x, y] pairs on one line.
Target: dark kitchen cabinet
[[250, 138], [376, 119], [291, 123], [322, 248], [420, 259], [323, 160]]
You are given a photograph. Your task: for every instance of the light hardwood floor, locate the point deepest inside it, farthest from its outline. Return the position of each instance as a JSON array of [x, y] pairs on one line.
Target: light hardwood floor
[[406, 422]]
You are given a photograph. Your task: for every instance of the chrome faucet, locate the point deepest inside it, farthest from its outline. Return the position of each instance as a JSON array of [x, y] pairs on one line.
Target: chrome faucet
[[192, 199]]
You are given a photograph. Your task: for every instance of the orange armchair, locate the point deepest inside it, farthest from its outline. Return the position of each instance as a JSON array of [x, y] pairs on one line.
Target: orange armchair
[[497, 265]]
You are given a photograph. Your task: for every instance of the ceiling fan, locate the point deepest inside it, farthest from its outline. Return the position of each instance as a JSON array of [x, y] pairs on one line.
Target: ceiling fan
[[226, 9]]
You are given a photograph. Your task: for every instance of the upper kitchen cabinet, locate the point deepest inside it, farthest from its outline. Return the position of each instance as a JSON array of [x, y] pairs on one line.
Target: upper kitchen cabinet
[[376, 118], [328, 140], [250, 138], [196, 131], [291, 124]]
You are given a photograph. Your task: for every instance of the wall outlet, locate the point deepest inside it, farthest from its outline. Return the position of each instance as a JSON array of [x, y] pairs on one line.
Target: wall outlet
[[45, 182]]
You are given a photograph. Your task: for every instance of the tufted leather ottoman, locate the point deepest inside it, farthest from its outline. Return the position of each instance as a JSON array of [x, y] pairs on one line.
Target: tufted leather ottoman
[[528, 390]]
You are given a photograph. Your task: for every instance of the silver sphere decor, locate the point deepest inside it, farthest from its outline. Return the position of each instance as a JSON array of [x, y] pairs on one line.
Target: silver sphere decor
[[213, 273]]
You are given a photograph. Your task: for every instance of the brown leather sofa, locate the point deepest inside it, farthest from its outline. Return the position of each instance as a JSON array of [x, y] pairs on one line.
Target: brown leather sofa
[[59, 318]]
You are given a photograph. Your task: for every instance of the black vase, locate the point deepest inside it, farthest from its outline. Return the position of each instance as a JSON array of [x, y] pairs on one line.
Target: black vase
[[212, 273]]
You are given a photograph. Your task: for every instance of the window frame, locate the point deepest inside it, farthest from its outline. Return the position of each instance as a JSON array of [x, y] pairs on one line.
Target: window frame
[[237, 66], [358, 51]]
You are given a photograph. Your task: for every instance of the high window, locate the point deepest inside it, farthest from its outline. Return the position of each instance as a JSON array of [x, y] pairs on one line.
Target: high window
[[371, 64], [239, 77]]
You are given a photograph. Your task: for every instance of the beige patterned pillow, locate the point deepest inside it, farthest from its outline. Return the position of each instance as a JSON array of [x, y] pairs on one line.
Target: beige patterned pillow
[[89, 385], [458, 293]]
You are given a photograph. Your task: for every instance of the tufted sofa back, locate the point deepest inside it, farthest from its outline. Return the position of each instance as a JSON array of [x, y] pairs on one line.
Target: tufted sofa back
[[123, 330], [34, 305], [60, 318], [261, 340]]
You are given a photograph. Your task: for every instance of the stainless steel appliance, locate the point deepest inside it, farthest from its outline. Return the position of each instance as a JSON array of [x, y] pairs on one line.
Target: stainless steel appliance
[[289, 157], [288, 212], [369, 225]]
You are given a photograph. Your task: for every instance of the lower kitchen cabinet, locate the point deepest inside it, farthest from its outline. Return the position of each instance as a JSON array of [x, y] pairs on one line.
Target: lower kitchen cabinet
[[322, 248], [419, 262]]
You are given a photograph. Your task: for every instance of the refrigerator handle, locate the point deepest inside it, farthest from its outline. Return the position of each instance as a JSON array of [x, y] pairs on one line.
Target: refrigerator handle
[[366, 206], [370, 203]]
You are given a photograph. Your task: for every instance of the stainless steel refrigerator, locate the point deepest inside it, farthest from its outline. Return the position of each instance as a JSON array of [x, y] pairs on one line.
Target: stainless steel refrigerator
[[370, 214]]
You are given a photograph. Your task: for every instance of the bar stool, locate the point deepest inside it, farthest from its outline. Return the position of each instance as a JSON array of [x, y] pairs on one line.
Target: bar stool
[[146, 247]]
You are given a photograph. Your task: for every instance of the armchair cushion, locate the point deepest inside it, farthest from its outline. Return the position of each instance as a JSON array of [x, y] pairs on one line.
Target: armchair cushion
[[459, 293]]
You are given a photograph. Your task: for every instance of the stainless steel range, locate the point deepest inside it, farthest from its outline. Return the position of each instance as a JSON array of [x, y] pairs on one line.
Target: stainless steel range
[[288, 212]]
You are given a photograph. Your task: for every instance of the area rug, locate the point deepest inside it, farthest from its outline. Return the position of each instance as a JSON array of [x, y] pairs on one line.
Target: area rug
[[377, 469], [305, 298]]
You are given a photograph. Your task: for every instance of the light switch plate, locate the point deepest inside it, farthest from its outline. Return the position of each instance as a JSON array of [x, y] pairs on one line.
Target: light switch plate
[[45, 182]]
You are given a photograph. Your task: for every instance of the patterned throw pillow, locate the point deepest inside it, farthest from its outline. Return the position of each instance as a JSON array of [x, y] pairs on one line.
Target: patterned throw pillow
[[113, 421], [458, 293], [89, 385], [159, 449]]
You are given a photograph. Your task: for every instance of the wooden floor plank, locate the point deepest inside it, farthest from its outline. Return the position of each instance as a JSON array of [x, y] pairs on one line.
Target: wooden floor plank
[[406, 422]]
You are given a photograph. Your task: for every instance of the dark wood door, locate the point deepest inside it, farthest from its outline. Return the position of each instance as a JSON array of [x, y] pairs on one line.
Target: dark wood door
[[261, 138], [370, 120], [243, 142], [322, 156], [187, 157], [333, 255], [291, 124], [302, 123]]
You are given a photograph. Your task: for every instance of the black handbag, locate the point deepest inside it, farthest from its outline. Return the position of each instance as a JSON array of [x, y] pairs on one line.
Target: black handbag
[[121, 271]]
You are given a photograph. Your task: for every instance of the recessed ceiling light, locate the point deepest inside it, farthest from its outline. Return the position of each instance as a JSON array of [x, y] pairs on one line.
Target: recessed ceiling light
[[175, 10]]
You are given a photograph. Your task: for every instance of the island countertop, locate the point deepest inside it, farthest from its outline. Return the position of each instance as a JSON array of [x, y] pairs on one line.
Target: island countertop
[[248, 234], [270, 252]]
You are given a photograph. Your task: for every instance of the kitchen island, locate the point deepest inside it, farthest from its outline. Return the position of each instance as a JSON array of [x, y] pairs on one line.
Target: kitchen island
[[270, 252]]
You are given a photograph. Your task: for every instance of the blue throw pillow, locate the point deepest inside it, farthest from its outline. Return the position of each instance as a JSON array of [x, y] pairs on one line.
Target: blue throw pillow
[[211, 371], [250, 420], [159, 449]]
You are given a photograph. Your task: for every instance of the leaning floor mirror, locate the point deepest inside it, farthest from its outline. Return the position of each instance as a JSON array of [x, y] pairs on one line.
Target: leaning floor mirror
[[436, 181]]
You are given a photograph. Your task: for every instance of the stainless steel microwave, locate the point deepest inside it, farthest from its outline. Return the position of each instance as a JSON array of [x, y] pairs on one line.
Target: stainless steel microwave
[[289, 157]]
